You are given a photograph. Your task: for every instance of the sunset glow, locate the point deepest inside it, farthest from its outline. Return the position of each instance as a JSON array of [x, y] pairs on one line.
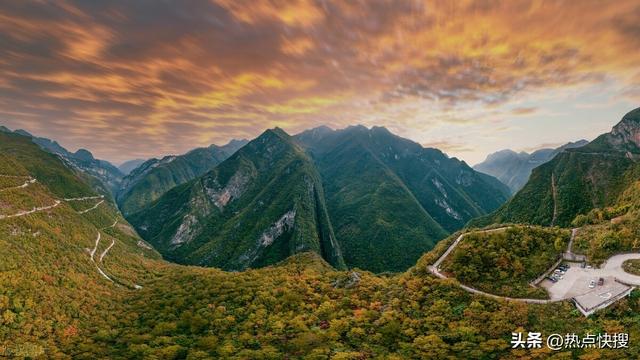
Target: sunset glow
[[141, 79]]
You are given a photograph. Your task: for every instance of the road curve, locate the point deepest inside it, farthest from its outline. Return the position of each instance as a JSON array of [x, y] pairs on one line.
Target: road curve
[[613, 267], [91, 208], [27, 212], [84, 198], [26, 183]]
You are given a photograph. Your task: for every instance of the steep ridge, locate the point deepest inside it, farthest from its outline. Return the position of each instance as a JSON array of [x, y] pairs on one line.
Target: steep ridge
[[378, 222], [154, 177], [584, 178], [256, 208]]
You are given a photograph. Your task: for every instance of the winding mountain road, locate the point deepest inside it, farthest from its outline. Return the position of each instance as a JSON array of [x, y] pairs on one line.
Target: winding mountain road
[[91, 208], [27, 212], [26, 183], [85, 198], [613, 267], [93, 251], [95, 247], [113, 241]]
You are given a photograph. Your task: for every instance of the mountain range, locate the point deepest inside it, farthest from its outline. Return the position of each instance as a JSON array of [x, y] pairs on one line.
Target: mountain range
[[83, 285], [358, 197], [514, 168]]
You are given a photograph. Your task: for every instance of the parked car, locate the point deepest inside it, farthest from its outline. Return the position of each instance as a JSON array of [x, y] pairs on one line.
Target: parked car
[[592, 284], [600, 281], [552, 279]]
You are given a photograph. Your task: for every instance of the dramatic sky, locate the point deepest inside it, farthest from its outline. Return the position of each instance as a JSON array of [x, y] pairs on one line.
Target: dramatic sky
[[130, 79]]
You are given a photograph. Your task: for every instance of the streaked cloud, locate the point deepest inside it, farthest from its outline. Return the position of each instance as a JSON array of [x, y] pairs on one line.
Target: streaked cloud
[[145, 78]]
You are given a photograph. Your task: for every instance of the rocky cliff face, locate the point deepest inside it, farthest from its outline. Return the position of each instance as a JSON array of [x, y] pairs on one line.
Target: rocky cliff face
[[627, 131]]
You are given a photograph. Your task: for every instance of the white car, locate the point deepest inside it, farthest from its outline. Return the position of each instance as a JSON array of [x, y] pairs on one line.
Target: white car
[[592, 284]]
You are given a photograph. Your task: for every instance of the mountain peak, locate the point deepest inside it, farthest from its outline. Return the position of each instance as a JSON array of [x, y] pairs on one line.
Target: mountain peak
[[633, 115], [628, 129], [316, 131], [276, 131], [23, 132], [83, 154]]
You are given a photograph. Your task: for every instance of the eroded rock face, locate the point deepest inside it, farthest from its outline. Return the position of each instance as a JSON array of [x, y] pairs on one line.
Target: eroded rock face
[[282, 225], [448, 209], [186, 232], [235, 187], [627, 132], [278, 228]]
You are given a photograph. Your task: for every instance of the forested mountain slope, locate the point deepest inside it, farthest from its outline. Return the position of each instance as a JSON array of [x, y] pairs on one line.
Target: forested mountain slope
[[56, 237], [576, 180], [390, 199]]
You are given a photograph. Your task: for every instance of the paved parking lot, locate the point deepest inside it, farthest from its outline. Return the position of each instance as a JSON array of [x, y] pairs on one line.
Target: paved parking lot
[[575, 281]]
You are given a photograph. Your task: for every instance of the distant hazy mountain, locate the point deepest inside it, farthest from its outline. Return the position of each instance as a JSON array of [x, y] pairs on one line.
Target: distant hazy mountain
[[128, 166], [154, 177], [577, 180], [107, 175], [513, 169], [388, 200]]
